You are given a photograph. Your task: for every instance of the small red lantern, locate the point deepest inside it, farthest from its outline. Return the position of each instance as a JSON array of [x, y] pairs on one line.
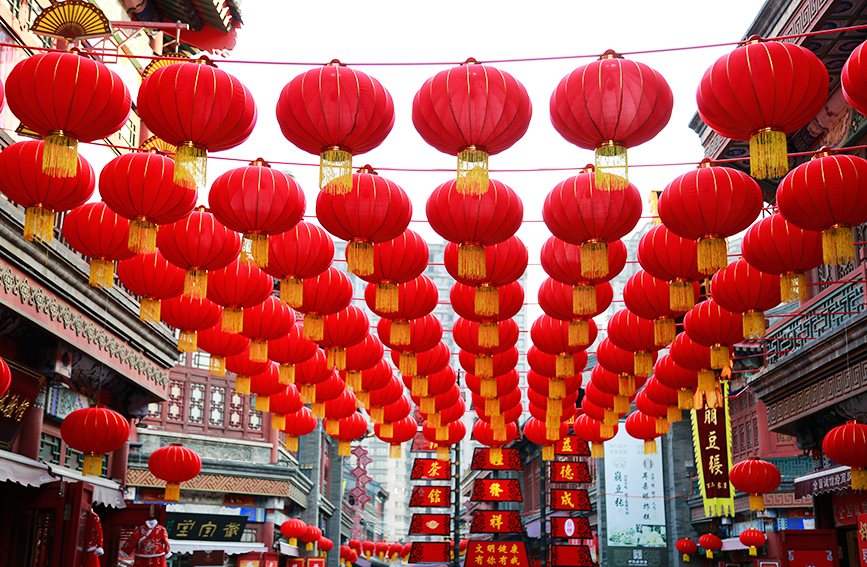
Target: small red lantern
[[455, 434], [368, 547], [755, 477], [303, 252], [674, 376], [355, 546], [244, 369], [381, 549], [694, 357], [360, 357], [687, 547], [480, 339], [537, 432], [351, 428], [710, 325], [635, 334], [642, 426], [264, 322], [752, 538], [402, 431], [650, 298], [282, 404], [344, 329], [395, 549], [396, 261], [324, 392], [492, 365], [710, 543], [94, 431], [427, 363], [190, 315], [560, 338], [413, 299], [485, 434], [311, 372], [96, 231], [325, 294], [293, 529], [153, 278], [220, 344], [562, 261], [290, 350], [741, 288], [174, 464], [324, 545], [264, 385], [593, 431], [847, 445], [238, 286], [671, 258], [297, 425], [310, 536], [424, 334], [374, 378]]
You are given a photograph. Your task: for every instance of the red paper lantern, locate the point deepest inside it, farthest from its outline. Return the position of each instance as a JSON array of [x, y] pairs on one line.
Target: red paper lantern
[[297, 425], [847, 445], [505, 263], [709, 204], [760, 92], [562, 261], [190, 315], [676, 377], [197, 244], [303, 252], [23, 181], [710, 543], [580, 213], [563, 339], [668, 257], [310, 536], [853, 80], [455, 434], [174, 464], [427, 361], [325, 294], [568, 303], [94, 430], [825, 195], [379, 398], [496, 409], [244, 368], [258, 202], [395, 549], [544, 385], [471, 112], [659, 412], [490, 365], [485, 338], [5, 377], [178, 102], [402, 431], [432, 384], [710, 325], [265, 322], [368, 548], [153, 278], [374, 378], [344, 405], [546, 364], [67, 98], [265, 385], [694, 357], [220, 345], [642, 426], [687, 547], [635, 334], [622, 386], [494, 438], [752, 538], [536, 432], [375, 210], [284, 403], [395, 411], [650, 298], [324, 545], [342, 330], [351, 428], [238, 286], [741, 288], [492, 387], [776, 246], [610, 105], [755, 477], [660, 394], [506, 415], [366, 354], [474, 221], [423, 334], [487, 303], [335, 112], [381, 549], [593, 431], [397, 261], [293, 529], [414, 299], [98, 232]]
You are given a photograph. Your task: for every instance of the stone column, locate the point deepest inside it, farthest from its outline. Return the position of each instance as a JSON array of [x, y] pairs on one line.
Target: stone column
[[335, 495], [310, 462]]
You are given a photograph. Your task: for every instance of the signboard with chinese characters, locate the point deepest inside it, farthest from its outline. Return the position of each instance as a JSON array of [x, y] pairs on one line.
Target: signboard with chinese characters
[[634, 504], [429, 552], [208, 527], [861, 534], [421, 444], [496, 490], [570, 472], [509, 460], [572, 445], [711, 439], [570, 500], [573, 528], [431, 469], [571, 556], [496, 554], [20, 396], [429, 524], [496, 522], [431, 496]]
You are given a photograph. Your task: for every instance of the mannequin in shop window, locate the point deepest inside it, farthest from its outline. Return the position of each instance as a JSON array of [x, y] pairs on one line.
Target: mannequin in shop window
[[149, 544]]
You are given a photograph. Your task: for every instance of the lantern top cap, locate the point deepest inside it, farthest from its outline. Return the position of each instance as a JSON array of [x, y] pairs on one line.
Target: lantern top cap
[[335, 63], [824, 151], [367, 168], [176, 444], [753, 39], [260, 162], [470, 61], [706, 162], [202, 209], [589, 168], [610, 54]]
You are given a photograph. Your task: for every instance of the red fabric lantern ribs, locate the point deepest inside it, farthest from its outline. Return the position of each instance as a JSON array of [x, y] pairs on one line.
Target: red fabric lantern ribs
[[220, 344], [401, 431], [650, 298], [694, 357], [96, 231], [760, 92], [485, 342], [635, 334], [710, 325], [286, 402], [366, 354], [297, 425], [741, 288], [643, 426], [325, 294], [303, 252], [415, 298], [686, 547], [671, 258], [471, 112], [557, 337], [757, 478], [342, 330], [265, 385], [396, 261], [492, 365], [153, 278], [427, 362], [536, 432], [847, 445], [238, 286], [562, 261], [853, 80], [174, 464], [351, 428], [488, 436], [335, 112], [265, 322], [472, 302], [410, 336], [190, 315], [474, 221], [67, 98], [591, 430], [178, 103], [258, 202], [455, 434], [674, 376], [608, 106], [580, 213], [94, 431], [558, 300]]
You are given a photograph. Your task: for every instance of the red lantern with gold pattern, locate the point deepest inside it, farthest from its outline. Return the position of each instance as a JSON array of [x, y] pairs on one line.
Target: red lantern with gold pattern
[[668, 257], [298, 254], [238, 286], [93, 431], [265, 322], [741, 288], [396, 261], [757, 478], [190, 315], [153, 278], [174, 464], [98, 232], [325, 294], [847, 445]]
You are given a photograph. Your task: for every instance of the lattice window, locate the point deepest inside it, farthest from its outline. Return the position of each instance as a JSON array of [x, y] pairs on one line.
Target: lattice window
[[49, 449], [197, 403], [236, 411], [201, 360], [74, 459], [175, 410], [255, 423], [155, 410], [217, 406]]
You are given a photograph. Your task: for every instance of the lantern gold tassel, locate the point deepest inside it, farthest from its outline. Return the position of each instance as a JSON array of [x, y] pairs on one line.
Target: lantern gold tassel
[[39, 224], [286, 374], [754, 324], [173, 491], [314, 327], [101, 273], [196, 282], [332, 427], [472, 171], [343, 448], [643, 364], [492, 406], [487, 301], [471, 261], [394, 451], [419, 386], [92, 465], [623, 385], [443, 453], [60, 155], [793, 287], [709, 554], [150, 309], [661, 425], [681, 295], [686, 558], [719, 356], [594, 259], [664, 331], [263, 403], [401, 333], [278, 421], [684, 399], [442, 433], [233, 319], [499, 433], [712, 256], [335, 357], [353, 380], [434, 419], [258, 351], [142, 236], [859, 478], [484, 366], [318, 409], [359, 257], [606, 431], [621, 405], [292, 292], [408, 364], [768, 157], [753, 550], [838, 245], [556, 388], [757, 502], [489, 335], [191, 165], [335, 171], [610, 417], [187, 341], [547, 452], [552, 430], [387, 297], [308, 393], [650, 446], [583, 300], [292, 443], [258, 249], [611, 167], [674, 414], [362, 397], [564, 366], [242, 384], [217, 365], [387, 429], [487, 387], [706, 380], [377, 414], [597, 450], [579, 333]]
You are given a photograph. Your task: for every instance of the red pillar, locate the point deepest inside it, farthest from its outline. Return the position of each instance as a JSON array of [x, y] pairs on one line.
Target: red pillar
[[31, 433], [273, 439], [120, 460]]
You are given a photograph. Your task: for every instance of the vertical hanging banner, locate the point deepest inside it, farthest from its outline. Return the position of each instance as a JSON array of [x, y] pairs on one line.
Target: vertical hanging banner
[[572, 445], [570, 500], [496, 490], [431, 469], [496, 522], [570, 472], [862, 539], [711, 438], [508, 460], [634, 504], [497, 553], [431, 496]]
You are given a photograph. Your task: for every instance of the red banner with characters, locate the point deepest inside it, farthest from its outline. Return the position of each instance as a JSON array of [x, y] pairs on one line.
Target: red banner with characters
[[429, 524], [570, 500], [570, 472], [573, 528], [431, 469], [571, 556], [429, 552], [509, 460], [572, 445], [496, 522], [497, 554], [711, 437], [496, 490], [431, 496], [862, 539]]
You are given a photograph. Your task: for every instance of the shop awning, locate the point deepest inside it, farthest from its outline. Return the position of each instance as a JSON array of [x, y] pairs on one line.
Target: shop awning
[[288, 550], [106, 492], [826, 480], [230, 547]]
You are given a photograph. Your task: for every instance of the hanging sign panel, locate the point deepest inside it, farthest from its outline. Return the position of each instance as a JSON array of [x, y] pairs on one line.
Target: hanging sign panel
[[711, 438], [497, 553], [572, 445], [508, 460], [570, 472], [571, 556], [570, 500], [573, 528], [431, 469], [431, 496], [429, 552], [429, 524], [496, 522], [496, 490]]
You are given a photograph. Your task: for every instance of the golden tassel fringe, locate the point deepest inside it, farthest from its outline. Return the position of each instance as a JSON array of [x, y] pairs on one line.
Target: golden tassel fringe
[[377, 414], [611, 168], [484, 366], [332, 427], [359, 258], [579, 333], [150, 310], [387, 429], [713, 398], [394, 452], [263, 403], [492, 406], [664, 331], [335, 357], [606, 431], [793, 287], [552, 425], [499, 433], [38, 224], [286, 374], [583, 300], [754, 324], [101, 273], [292, 443], [408, 364], [610, 418], [661, 425], [434, 419], [257, 244], [594, 259], [443, 453], [387, 297], [343, 448], [684, 399], [681, 295], [838, 245], [650, 446], [556, 389], [60, 156], [401, 333], [712, 255], [621, 405], [308, 393], [191, 166], [753, 550], [643, 363], [472, 172], [548, 452], [173, 492], [768, 157], [498, 423], [487, 301], [720, 357], [278, 421], [597, 450], [419, 386], [489, 335], [233, 319], [709, 554], [292, 292], [142, 236], [471, 261], [196, 283], [353, 380], [318, 409], [496, 454], [442, 433], [217, 365], [564, 366], [488, 388], [623, 385], [92, 465], [686, 558], [363, 397], [314, 327], [335, 171], [187, 341], [859, 478], [242, 384], [757, 502], [674, 415], [706, 380], [258, 351]]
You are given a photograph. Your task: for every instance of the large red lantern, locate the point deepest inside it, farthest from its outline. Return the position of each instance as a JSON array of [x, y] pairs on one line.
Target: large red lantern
[[220, 344], [496, 364], [546, 364], [710, 543], [474, 221], [757, 478], [455, 434], [402, 431], [826, 195], [687, 547], [265, 385], [431, 384], [197, 244], [366, 354], [635, 334], [344, 405], [559, 300], [342, 330], [396, 261], [190, 315], [324, 545], [471, 112], [536, 432], [153, 278], [23, 181], [293, 529], [244, 368], [674, 376], [760, 92], [351, 428], [642, 426], [67, 98], [238, 286], [481, 340], [741, 288], [98, 232], [265, 322], [580, 213], [472, 302], [710, 325], [776, 246], [258, 202], [327, 391], [427, 363], [486, 435], [753, 539], [650, 298], [853, 80], [424, 334], [709, 204], [374, 378], [178, 103], [94, 431], [492, 387], [557, 337], [374, 210], [297, 425], [174, 464], [671, 258], [847, 445], [562, 261], [286, 402], [591, 430], [303, 252], [610, 105], [140, 187], [414, 299], [660, 394], [504, 263], [325, 294], [335, 112]]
